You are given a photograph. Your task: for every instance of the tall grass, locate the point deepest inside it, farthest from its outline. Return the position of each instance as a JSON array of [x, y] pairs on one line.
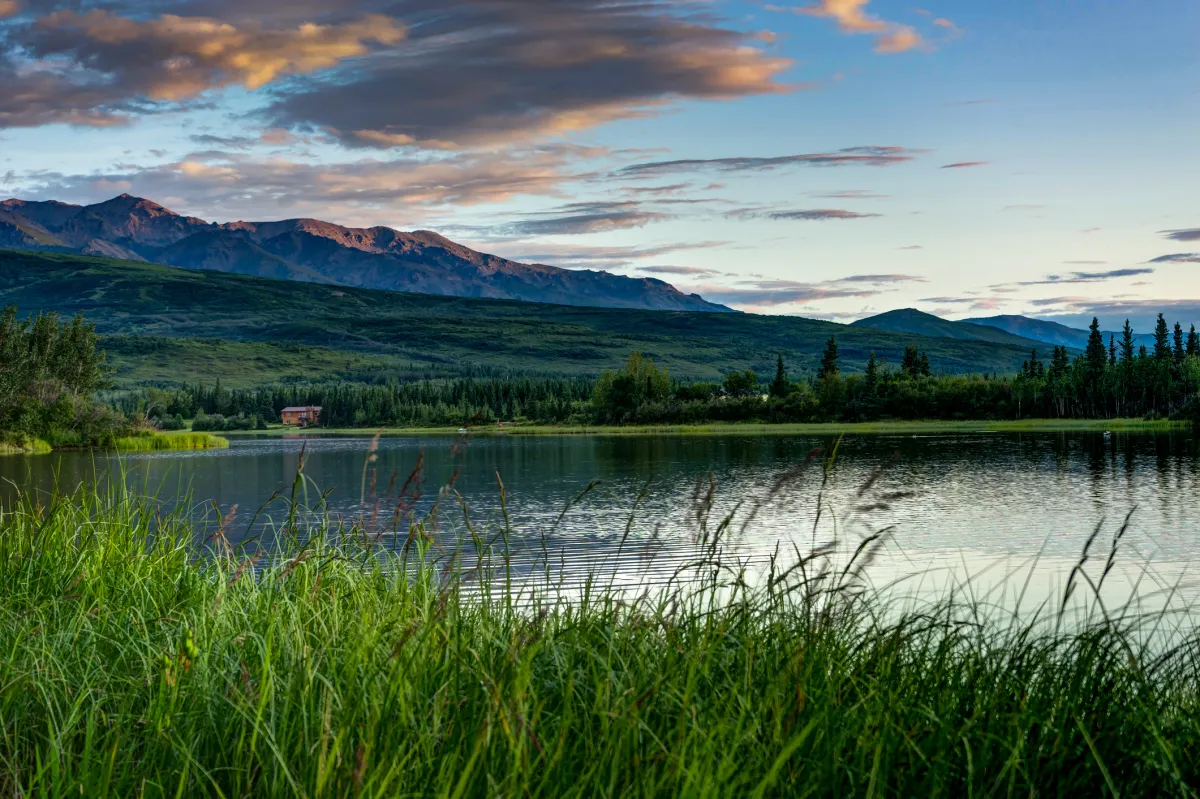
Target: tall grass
[[129, 666], [169, 441]]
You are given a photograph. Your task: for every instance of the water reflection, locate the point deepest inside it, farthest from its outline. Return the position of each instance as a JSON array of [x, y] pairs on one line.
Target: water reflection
[[976, 498]]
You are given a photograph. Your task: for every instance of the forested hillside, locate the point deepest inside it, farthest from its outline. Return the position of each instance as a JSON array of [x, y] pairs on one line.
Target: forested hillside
[[181, 326]]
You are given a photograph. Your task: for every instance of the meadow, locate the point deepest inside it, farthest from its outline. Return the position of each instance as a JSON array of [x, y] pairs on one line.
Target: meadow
[[136, 665]]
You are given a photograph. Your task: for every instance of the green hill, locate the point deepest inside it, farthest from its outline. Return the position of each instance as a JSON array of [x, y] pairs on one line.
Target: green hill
[[914, 322], [165, 325]]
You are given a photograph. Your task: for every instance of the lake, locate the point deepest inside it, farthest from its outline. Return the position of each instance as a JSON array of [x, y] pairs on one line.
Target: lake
[[957, 504]]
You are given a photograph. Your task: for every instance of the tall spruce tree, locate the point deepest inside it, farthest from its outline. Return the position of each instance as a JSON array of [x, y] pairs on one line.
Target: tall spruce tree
[[780, 385], [1177, 343], [1127, 344], [1112, 350], [910, 364], [871, 377], [1193, 342], [1095, 354], [829, 360], [1162, 340]]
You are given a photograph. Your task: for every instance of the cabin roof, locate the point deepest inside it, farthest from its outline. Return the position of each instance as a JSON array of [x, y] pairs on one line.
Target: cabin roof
[[298, 408]]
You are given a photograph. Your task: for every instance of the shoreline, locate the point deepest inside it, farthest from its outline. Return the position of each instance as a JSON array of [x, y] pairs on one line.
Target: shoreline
[[820, 428]]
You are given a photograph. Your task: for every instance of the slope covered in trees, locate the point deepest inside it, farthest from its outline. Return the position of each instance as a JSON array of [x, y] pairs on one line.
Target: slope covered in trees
[[383, 333]]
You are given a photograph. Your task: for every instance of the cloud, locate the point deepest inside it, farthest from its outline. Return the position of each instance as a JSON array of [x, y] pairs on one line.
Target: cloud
[[914, 247], [966, 164], [852, 17], [100, 68], [434, 73], [1177, 258], [9, 8], [814, 215], [597, 256], [851, 194], [1088, 277], [770, 293], [1192, 234], [587, 217], [397, 191], [674, 188], [485, 73], [849, 156], [697, 271], [226, 142], [880, 279]]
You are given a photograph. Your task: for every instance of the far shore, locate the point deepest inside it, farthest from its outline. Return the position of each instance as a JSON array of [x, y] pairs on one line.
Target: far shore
[[830, 428]]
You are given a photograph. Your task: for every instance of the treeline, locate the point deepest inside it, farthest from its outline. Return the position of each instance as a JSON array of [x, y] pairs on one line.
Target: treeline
[[1109, 379], [420, 403], [49, 373]]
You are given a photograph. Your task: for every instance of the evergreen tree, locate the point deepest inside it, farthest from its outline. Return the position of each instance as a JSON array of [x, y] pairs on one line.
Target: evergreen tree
[[1127, 343], [911, 363], [829, 360], [780, 385], [1095, 355], [1033, 367], [1193, 342], [1162, 340], [1112, 350], [1177, 343], [871, 377], [923, 365]]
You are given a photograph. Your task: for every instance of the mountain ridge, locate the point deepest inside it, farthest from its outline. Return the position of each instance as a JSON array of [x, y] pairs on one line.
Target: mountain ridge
[[916, 322], [312, 250]]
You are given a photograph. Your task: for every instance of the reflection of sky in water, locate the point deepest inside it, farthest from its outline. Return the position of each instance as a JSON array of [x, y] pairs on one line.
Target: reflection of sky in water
[[977, 500]]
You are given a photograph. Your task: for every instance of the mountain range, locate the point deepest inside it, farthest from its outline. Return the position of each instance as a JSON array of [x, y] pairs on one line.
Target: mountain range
[[1005, 329], [310, 250]]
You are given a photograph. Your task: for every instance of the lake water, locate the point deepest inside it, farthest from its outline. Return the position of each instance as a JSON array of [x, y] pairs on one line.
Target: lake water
[[975, 503]]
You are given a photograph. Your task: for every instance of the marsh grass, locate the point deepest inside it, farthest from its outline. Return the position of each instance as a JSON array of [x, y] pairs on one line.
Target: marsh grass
[[169, 441], [132, 666]]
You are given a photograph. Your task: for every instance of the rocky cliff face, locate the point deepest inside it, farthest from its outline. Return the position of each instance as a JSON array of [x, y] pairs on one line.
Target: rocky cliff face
[[315, 251]]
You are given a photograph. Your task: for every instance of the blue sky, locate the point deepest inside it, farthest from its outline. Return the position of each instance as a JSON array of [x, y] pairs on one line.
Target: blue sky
[[631, 136]]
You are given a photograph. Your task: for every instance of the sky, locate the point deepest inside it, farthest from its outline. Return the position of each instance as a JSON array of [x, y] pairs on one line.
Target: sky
[[829, 159]]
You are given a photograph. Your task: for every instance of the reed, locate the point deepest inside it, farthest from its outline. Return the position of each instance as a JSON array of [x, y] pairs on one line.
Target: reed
[[168, 441], [131, 664]]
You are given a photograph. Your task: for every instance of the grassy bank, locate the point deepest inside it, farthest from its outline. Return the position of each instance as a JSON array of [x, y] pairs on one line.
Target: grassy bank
[[832, 428], [22, 445], [168, 441], [132, 668]]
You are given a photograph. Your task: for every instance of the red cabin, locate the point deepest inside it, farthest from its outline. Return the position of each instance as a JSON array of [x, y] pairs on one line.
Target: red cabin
[[301, 416]]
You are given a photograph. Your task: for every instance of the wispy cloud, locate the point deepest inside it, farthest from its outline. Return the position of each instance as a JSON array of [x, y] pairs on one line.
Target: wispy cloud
[[1088, 277], [687, 271], [851, 194], [849, 156], [1177, 258], [590, 256], [966, 164], [802, 215], [583, 218], [1191, 234], [397, 191], [852, 17], [770, 293]]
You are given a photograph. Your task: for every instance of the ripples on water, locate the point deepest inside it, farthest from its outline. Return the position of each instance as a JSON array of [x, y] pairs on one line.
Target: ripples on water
[[987, 504]]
